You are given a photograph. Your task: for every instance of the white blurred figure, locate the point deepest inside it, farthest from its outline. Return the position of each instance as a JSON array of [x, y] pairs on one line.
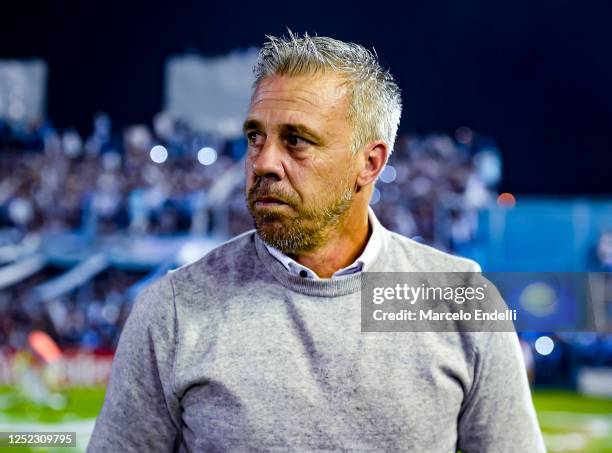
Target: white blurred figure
[[107, 198], [21, 212], [138, 137], [72, 144], [476, 193], [38, 375], [488, 166]]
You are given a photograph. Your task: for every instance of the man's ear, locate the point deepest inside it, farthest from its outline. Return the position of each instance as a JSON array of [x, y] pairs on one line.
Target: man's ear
[[374, 155]]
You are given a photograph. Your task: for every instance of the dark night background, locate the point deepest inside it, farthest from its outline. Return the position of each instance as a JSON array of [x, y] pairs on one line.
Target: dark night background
[[536, 76]]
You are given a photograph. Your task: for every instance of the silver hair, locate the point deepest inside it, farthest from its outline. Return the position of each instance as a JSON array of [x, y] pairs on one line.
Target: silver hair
[[375, 100]]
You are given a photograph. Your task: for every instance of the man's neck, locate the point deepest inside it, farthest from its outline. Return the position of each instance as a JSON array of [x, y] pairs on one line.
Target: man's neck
[[342, 248]]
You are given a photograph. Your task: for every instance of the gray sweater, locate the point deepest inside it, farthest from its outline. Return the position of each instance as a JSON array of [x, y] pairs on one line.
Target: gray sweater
[[233, 353]]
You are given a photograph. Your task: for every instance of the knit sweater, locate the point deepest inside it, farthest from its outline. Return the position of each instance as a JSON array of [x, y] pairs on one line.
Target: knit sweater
[[233, 353]]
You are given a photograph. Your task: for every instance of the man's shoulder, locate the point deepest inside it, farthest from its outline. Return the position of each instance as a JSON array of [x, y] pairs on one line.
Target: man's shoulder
[[236, 253], [424, 258]]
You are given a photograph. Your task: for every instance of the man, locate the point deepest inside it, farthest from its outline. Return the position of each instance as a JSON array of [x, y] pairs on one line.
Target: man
[[258, 345]]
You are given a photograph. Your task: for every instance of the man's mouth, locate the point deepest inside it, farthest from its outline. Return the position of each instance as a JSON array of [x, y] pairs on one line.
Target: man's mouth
[[266, 202]]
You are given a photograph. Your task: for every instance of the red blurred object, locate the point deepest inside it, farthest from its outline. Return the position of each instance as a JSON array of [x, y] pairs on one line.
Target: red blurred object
[[44, 346], [506, 200]]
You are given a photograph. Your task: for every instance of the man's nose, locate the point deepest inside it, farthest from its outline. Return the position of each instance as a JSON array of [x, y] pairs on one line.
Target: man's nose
[[268, 160]]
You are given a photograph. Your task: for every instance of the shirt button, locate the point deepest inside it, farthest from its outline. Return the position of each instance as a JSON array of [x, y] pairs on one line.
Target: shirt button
[[303, 273]]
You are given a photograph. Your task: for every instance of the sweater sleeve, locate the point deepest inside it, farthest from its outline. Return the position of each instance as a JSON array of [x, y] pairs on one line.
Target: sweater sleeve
[[140, 412], [498, 414]]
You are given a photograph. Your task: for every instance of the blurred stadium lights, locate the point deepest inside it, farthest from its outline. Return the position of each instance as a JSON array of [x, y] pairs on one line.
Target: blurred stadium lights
[[388, 174], [544, 345], [539, 298], [159, 154], [207, 156], [506, 200]]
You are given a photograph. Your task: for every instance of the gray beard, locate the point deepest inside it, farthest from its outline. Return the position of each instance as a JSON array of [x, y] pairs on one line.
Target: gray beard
[[304, 233]]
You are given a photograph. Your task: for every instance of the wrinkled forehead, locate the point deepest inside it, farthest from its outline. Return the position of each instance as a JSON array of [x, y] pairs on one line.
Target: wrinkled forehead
[[322, 96]]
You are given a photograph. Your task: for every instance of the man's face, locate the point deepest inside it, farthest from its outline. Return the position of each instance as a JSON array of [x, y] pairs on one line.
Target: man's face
[[300, 172]]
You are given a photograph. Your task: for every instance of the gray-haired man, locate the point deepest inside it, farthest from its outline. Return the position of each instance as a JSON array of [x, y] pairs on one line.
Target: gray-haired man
[[258, 345]]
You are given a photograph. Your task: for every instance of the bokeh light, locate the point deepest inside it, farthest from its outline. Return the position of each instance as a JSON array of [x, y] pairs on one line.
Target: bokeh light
[[159, 154], [544, 345], [388, 174], [539, 299], [207, 156], [506, 200]]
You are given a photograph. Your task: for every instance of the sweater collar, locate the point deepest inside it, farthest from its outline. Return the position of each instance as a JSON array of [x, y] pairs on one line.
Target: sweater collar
[[324, 287], [360, 264]]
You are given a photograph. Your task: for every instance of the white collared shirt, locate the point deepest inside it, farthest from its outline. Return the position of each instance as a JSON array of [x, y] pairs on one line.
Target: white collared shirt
[[359, 265]]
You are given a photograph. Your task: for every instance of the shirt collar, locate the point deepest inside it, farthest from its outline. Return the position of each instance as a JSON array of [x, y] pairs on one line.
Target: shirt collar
[[360, 264]]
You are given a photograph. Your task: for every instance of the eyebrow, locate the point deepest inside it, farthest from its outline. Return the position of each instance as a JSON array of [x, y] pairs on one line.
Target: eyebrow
[[298, 128], [250, 124]]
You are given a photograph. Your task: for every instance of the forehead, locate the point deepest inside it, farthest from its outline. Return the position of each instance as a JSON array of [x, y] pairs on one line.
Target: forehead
[[315, 98]]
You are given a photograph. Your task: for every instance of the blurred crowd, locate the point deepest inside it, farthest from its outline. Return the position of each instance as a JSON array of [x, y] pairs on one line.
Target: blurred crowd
[[165, 179], [56, 180], [89, 317], [157, 180]]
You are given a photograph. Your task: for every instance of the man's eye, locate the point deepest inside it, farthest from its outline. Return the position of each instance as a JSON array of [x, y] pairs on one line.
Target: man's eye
[[295, 141], [254, 138]]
